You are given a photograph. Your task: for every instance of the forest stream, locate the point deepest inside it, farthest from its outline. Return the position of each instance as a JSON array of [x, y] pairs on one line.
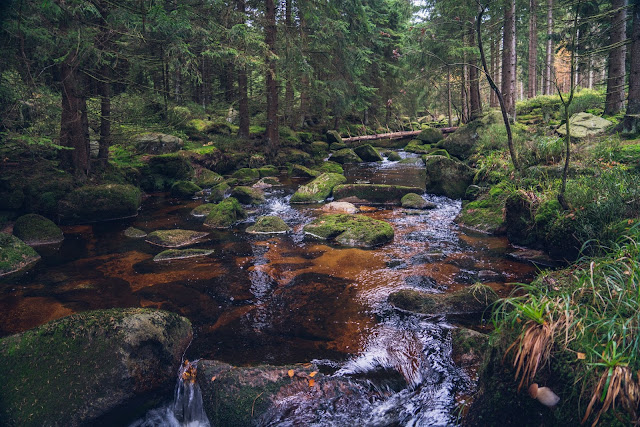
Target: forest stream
[[290, 298]]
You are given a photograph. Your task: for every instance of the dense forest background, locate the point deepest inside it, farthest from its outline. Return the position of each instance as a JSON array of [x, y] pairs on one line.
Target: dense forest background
[[80, 71]]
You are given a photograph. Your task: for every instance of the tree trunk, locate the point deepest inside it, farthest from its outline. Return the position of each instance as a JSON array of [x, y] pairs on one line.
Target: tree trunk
[[475, 103], [615, 79], [105, 115], [509, 58], [74, 130], [464, 98], [288, 91], [495, 49], [632, 118], [243, 95], [550, 54], [304, 79], [449, 97], [533, 47], [271, 87]]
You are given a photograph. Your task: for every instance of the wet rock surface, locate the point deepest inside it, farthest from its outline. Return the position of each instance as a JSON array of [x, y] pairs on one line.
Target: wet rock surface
[[174, 238], [34, 229], [15, 255]]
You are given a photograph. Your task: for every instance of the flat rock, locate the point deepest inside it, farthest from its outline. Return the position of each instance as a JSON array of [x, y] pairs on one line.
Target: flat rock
[[269, 225], [351, 230], [134, 233], [582, 125], [372, 193], [171, 254], [340, 207], [319, 189], [174, 238]]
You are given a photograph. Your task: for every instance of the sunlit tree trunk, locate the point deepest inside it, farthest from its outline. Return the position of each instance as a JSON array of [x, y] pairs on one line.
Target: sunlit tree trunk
[[533, 47], [550, 54], [288, 92], [475, 103], [243, 96], [271, 86], [615, 78], [509, 58]]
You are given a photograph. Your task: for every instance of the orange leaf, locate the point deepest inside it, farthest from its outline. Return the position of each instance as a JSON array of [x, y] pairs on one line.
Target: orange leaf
[[313, 374], [581, 356], [290, 373], [213, 378], [312, 382]]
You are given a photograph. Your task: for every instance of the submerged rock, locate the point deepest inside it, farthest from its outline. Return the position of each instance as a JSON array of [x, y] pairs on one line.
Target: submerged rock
[[373, 193], [415, 201], [100, 203], [367, 153], [15, 255], [340, 207], [134, 233], [248, 195], [74, 370], [269, 225], [319, 189], [447, 177], [351, 230], [174, 238], [470, 300], [582, 125], [225, 214], [34, 229], [171, 254]]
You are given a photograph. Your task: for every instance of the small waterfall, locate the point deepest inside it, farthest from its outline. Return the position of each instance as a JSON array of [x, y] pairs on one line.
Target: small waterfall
[[186, 410]]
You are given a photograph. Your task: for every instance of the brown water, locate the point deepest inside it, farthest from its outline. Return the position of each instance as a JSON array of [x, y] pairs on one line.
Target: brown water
[[287, 298]]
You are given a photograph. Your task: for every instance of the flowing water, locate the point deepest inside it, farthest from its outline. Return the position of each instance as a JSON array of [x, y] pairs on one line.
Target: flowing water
[[288, 298]]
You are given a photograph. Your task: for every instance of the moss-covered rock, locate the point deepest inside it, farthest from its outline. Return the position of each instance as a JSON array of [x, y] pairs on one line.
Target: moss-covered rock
[[351, 230], [337, 146], [248, 195], [447, 177], [269, 225], [332, 136], [415, 201], [225, 214], [303, 171], [218, 193], [162, 171], [246, 175], [331, 167], [519, 218], [172, 254], [319, 148], [582, 125], [100, 203], [75, 370], [462, 142], [486, 213], [416, 146], [319, 189], [373, 193], [367, 153], [470, 300], [184, 189], [198, 128], [135, 233], [268, 170], [206, 178], [430, 136], [346, 155], [293, 155], [34, 229], [158, 143], [203, 210], [15, 255], [392, 156], [176, 238], [468, 347], [439, 152]]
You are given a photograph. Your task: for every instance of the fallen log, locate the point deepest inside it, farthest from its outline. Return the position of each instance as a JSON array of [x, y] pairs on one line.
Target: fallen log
[[394, 135]]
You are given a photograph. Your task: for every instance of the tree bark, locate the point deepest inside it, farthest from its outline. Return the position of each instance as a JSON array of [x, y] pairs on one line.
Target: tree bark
[[271, 87], [615, 79], [475, 102], [74, 131], [304, 79], [550, 54], [464, 99], [533, 47], [509, 58], [495, 48], [288, 91], [243, 95], [449, 97], [395, 135], [105, 115], [632, 118]]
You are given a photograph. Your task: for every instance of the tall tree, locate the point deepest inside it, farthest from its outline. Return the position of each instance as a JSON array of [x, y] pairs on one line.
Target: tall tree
[[509, 58], [271, 84], [243, 95], [616, 74], [632, 117], [533, 48], [550, 53], [475, 102]]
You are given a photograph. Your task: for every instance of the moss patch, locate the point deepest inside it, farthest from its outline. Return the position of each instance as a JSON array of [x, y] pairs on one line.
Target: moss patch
[[134, 233], [184, 189], [367, 153], [319, 189], [100, 203], [373, 193], [447, 177], [206, 179], [351, 230], [430, 136], [415, 201], [248, 195], [470, 300], [174, 238], [269, 225], [331, 167], [15, 255], [246, 175], [225, 214], [34, 229], [346, 155]]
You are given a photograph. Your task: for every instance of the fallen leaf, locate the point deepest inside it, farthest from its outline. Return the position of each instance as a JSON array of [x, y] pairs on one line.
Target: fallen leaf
[[581, 356], [312, 382], [290, 373], [213, 378], [313, 374]]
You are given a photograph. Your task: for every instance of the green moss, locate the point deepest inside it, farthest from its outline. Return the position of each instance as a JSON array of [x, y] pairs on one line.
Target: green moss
[[430, 136], [268, 170], [447, 177], [373, 193], [175, 238], [337, 146], [392, 156], [134, 233], [439, 152], [203, 210], [184, 189], [319, 148], [162, 171], [100, 203], [303, 171], [346, 155], [225, 214], [35, 229], [15, 255], [293, 155], [367, 153], [305, 137], [218, 192], [331, 167], [248, 195], [415, 201], [319, 189], [471, 299], [206, 179], [333, 136], [416, 146], [246, 175], [288, 137], [351, 230], [171, 254], [269, 225]]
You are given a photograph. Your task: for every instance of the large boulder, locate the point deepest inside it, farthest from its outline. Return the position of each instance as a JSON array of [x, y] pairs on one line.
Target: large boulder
[[319, 189], [206, 178], [373, 193], [93, 203], [415, 201], [430, 136], [162, 171], [269, 225], [351, 230], [158, 143], [582, 125], [447, 177], [15, 255], [332, 136], [248, 195], [462, 142], [367, 153], [34, 229], [246, 175], [346, 155], [78, 369], [225, 214], [184, 189]]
